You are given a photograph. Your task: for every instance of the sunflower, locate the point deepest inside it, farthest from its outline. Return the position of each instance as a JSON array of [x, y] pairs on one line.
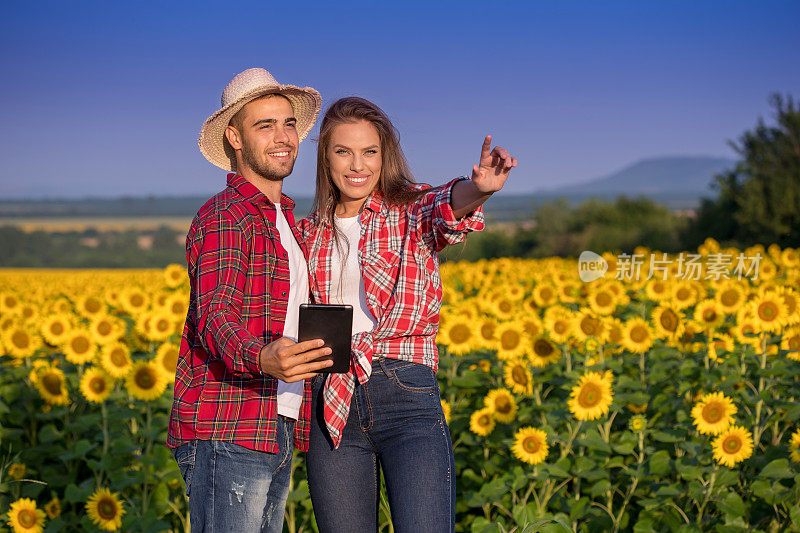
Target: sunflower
[[486, 328], [134, 301], [713, 413], [602, 300], [637, 408], [683, 294], [61, 306], [794, 446], [568, 291], [458, 335], [175, 276], [485, 365], [502, 405], [79, 347], [747, 330], [530, 305], [177, 305], [52, 385], [9, 303], [591, 397], [105, 509], [709, 314], [116, 359], [482, 422], [730, 297], [446, 410], [587, 325], [518, 377], [790, 257], [16, 470], [637, 336], [791, 301], [532, 325], [105, 329], [667, 321], [769, 311], [559, 323], [722, 343], [543, 352], [790, 341], [544, 295], [90, 306], [53, 508], [510, 340], [530, 445], [733, 445], [145, 382], [657, 290], [166, 360], [21, 342], [159, 326], [637, 423], [55, 329], [96, 385], [24, 517], [504, 307]]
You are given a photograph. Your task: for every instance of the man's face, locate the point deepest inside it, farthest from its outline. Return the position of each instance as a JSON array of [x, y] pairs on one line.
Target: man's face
[[269, 138]]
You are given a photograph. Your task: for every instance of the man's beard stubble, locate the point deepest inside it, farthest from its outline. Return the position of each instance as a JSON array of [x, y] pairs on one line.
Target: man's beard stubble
[[264, 169]]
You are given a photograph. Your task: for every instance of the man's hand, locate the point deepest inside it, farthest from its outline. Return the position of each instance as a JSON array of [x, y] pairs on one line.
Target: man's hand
[[290, 361], [491, 172]]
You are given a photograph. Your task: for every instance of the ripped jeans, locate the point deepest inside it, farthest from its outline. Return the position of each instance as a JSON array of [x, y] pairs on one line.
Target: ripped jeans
[[233, 488]]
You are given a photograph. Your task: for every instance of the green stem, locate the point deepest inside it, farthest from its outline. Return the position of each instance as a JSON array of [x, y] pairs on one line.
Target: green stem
[[757, 427], [707, 497], [147, 449]]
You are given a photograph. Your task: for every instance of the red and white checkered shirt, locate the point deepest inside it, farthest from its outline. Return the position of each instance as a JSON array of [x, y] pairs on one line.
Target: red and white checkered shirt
[[398, 254], [239, 275]]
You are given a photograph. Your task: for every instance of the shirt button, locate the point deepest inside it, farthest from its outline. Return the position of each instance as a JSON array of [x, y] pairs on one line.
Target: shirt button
[[284, 294], [284, 254]]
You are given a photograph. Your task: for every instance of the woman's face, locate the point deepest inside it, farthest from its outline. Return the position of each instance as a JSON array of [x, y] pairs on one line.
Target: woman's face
[[354, 156]]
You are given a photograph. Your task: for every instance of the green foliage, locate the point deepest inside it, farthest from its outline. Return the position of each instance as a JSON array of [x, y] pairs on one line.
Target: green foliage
[[759, 199], [559, 230], [90, 248]]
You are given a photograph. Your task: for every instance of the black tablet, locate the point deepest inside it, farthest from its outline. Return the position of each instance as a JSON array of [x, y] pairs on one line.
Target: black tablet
[[333, 324]]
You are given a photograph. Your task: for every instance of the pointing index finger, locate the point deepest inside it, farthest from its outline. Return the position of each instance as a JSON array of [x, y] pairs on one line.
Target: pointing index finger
[[487, 144]]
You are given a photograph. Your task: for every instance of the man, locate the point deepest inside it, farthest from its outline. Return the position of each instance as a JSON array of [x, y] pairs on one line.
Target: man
[[242, 400]]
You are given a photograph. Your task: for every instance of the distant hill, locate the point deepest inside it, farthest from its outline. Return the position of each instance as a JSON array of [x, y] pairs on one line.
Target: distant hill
[[658, 176], [676, 182]]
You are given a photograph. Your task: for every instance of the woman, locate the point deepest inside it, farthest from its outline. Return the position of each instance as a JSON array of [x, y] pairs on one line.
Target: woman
[[373, 239]]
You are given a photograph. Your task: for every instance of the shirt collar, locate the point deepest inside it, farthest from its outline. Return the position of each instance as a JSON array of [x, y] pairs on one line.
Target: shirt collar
[[251, 193], [374, 201]]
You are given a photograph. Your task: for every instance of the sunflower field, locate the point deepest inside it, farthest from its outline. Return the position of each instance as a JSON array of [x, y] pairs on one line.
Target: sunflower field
[[655, 403]]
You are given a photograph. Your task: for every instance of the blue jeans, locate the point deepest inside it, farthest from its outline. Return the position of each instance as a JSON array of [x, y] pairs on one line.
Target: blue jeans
[[395, 424], [233, 488]]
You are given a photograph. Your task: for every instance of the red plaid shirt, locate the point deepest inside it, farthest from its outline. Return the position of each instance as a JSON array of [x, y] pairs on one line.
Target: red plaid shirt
[[399, 262], [239, 275]]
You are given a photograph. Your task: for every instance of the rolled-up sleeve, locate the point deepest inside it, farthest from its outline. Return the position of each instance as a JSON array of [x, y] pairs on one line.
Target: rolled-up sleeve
[[221, 276], [436, 223]]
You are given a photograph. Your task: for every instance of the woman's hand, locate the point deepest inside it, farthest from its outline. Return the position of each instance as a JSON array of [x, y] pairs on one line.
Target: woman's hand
[[491, 172]]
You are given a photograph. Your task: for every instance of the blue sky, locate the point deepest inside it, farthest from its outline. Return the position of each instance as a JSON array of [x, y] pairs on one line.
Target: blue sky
[[107, 98]]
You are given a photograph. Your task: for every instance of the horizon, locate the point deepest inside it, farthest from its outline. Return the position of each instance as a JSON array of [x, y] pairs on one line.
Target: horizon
[[543, 191], [108, 99]]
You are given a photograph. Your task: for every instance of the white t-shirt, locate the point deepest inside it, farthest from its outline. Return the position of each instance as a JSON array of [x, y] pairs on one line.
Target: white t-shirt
[[290, 395], [345, 267]]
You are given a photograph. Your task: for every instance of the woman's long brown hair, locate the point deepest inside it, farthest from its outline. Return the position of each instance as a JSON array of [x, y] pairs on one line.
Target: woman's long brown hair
[[396, 181]]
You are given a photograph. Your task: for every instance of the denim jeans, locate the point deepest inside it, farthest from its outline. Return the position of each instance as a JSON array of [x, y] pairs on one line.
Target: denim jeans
[[233, 488], [395, 424]]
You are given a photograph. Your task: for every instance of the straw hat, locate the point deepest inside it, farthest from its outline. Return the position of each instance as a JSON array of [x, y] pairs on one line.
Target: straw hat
[[246, 86]]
